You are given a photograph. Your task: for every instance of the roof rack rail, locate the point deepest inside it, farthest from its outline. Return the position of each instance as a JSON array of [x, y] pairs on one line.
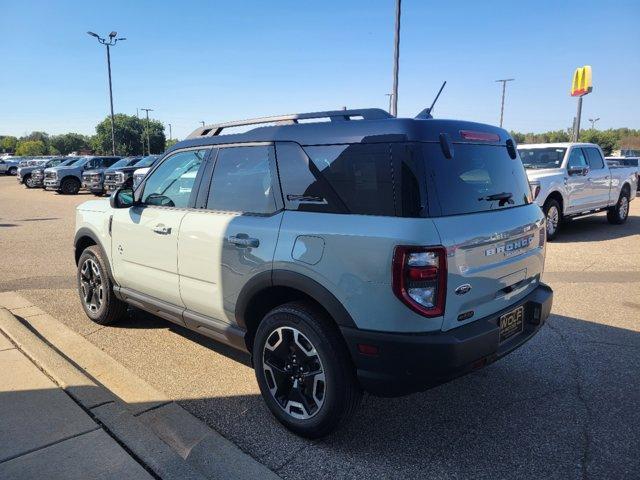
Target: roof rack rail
[[333, 115]]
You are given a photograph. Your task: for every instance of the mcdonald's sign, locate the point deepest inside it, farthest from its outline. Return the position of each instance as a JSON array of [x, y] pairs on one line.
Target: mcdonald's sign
[[581, 84]]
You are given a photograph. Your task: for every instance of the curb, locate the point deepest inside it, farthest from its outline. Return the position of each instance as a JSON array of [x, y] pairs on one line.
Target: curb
[[162, 435]]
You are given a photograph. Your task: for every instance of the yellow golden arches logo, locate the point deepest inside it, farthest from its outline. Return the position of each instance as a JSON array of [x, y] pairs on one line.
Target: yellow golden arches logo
[[581, 84]]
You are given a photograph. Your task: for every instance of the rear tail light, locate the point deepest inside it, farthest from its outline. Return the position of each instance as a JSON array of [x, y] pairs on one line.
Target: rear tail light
[[420, 278]]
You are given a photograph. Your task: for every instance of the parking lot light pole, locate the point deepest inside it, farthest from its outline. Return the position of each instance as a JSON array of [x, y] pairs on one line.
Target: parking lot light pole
[[111, 43], [147, 110], [593, 122], [393, 107], [169, 131], [504, 88]]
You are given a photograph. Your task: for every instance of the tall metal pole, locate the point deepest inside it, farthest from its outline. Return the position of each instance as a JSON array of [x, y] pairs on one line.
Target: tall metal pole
[[113, 134], [202, 122], [504, 88], [147, 110], [576, 130], [169, 131], [396, 62], [141, 136]]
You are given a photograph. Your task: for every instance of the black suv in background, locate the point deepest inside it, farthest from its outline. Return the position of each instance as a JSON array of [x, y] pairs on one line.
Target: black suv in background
[[122, 175], [93, 180]]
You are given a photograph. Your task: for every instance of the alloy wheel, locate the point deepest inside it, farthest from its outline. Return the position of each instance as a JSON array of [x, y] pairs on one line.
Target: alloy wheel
[[91, 285], [552, 220], [294, 372], [623, 209]]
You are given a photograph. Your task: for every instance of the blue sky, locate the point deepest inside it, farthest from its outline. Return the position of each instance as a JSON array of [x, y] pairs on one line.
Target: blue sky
[[217, 61]]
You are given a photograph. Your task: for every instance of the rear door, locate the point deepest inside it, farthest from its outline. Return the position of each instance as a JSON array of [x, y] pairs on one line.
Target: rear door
[[479, 201], [144, 246], [232, 236]]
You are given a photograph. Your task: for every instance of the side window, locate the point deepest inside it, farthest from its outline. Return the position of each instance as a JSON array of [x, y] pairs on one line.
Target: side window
[[576, 158], [170, 185], [242, 181], [107, 162], [594, 158], [358, 174]]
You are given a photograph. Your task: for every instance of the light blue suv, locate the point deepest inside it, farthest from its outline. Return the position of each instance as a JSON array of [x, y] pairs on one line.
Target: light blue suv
[[363, 253]]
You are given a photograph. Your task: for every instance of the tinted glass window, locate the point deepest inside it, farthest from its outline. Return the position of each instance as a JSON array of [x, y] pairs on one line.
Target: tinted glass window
[[577, 158], [358, 175], [409, 180], [242, 181], [170, 185], [594, 158], [542, 157], [478, 178]]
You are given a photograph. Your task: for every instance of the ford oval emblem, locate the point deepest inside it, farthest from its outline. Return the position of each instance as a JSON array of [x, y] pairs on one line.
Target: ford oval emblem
[[462, 289]]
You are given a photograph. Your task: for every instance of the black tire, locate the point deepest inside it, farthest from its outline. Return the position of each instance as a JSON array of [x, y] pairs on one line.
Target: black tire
[[108, 308], [70, 186], [28, 182], [618, 214], [553, 220], [12, 171], [337, 387]]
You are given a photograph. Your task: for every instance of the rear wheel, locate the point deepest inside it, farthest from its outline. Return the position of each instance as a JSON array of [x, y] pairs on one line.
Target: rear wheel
[[618, 214], [553, 215], [304, 371], [70, 186], [96, 289]]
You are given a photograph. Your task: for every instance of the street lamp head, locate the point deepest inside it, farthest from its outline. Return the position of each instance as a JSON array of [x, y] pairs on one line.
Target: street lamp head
[[94, 34], [113, 34]]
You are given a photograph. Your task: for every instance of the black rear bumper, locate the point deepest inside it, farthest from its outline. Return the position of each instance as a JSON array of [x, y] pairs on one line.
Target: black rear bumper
[[407, 363]]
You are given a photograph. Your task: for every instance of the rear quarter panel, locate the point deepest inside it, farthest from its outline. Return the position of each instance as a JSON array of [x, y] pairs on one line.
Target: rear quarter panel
[[351, 256]]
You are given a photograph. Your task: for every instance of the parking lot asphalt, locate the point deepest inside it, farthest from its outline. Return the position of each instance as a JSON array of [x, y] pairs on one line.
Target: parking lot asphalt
[[565, 405]]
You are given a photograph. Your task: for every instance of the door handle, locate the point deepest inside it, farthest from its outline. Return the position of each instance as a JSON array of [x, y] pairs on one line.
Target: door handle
[[162, 230], [244, 241]]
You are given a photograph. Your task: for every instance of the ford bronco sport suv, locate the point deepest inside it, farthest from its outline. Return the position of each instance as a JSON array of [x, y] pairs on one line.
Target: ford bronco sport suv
[[364, 253]]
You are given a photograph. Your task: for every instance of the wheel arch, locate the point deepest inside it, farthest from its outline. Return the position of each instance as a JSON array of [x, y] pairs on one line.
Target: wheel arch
[[269, 289], [558, 197], [85, 238]]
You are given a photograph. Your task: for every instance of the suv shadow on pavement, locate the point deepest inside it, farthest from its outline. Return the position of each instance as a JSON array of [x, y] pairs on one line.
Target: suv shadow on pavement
[[564, 406]]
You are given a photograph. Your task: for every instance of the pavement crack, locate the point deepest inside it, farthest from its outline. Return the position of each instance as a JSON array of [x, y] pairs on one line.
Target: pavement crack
[[294, 455], [587, 418]]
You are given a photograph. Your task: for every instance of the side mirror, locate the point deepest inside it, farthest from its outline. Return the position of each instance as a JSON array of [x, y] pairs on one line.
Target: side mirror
[[122, 198], [578, 171]]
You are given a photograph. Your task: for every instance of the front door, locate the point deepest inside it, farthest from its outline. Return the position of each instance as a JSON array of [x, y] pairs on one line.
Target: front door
[[578, 188], [233, 236], [144, 245]]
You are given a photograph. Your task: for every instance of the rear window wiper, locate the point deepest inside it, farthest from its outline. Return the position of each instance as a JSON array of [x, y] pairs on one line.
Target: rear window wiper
[[504, 197]]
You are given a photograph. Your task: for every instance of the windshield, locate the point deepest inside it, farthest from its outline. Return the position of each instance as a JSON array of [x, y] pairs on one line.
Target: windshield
[[123, 162], [542, 157], [147, 161]]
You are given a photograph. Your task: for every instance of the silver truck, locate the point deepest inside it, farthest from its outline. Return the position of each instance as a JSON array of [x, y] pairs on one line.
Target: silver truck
[[572, 179]]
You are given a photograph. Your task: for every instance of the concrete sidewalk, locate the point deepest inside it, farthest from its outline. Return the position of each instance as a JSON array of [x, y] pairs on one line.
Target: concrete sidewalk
[[57, 387], [45, 434]]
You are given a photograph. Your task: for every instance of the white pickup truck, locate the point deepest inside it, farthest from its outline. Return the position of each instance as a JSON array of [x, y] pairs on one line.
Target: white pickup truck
[[572, 179]]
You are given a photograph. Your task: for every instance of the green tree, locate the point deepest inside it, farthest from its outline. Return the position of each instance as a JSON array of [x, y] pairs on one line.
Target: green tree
[[31, 147], [129, 133], [8, 144], [170, 143], [38, 137], [68, 142]]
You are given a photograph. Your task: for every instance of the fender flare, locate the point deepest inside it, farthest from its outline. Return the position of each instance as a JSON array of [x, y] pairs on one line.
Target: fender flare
[[297, 281], [85, 232]]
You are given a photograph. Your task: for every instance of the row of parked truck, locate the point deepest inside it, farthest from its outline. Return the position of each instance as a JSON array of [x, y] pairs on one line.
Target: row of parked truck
[[97, 174]]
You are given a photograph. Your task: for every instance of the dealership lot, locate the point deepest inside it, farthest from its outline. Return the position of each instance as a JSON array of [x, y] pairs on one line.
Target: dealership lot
[[563, 406]]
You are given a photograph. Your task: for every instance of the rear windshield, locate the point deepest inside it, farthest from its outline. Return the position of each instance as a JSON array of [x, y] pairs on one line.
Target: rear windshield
[[478, 178], [542, 157]]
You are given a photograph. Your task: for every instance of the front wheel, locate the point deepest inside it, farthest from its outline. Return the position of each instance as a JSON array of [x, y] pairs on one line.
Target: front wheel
[[96, 289], [553, 215], [619, 213], [12, 171], [70, 186], [29, 182], [304, 370]]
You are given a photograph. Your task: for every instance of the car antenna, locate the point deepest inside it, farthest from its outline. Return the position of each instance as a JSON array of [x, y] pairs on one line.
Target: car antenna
[[426, 113]]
